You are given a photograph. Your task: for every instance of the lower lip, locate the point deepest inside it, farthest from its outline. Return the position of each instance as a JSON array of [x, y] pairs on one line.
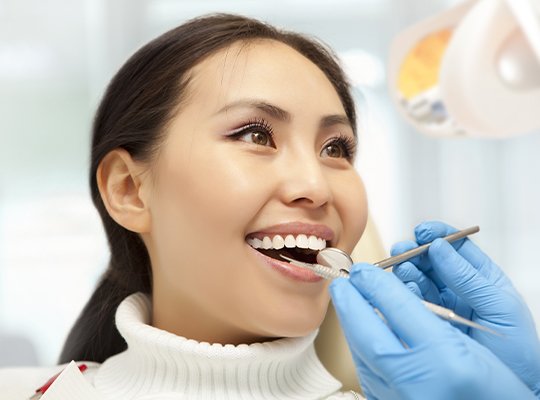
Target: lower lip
[[289, 270]]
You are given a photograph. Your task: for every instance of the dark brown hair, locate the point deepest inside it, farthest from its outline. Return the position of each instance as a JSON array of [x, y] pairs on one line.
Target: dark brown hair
[[136, 107]]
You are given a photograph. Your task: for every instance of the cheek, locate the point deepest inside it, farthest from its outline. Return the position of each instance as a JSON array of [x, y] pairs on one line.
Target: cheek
[[351, 202], [207, 203], [228, 192]]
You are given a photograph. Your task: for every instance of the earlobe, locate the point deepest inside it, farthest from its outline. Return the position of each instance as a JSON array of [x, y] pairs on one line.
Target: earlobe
[[120, 182]]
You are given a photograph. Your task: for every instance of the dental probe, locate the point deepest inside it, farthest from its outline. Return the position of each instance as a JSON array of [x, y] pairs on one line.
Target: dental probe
[[338, 259], [389, 262]]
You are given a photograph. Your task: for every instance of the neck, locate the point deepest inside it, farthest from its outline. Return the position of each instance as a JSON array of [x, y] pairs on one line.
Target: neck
[[158, 363], [206, 329]]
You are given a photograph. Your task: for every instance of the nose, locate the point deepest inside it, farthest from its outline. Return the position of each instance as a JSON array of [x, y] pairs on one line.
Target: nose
[[304, 182]]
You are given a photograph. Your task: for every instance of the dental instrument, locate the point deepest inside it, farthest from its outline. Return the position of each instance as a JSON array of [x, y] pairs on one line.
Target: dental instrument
[[332, 257], [334, 263]]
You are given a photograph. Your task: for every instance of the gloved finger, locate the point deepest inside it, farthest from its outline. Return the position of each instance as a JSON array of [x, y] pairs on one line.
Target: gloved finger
[[464, 280], [421, 261], [408, 273], [428, 231], [405, 314], [413, 287], [369, 381], [403, 246], [432, 287], [369, 339], [482, 263], [368, 394], [366, 333], [431, 230]]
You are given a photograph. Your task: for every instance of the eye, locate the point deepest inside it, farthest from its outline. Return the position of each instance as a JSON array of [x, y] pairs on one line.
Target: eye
[[333, 150], [340, 147], [258, 132], [260, 138]]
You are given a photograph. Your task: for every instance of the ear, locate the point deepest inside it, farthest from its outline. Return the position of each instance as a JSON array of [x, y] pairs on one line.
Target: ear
[[123, 184]]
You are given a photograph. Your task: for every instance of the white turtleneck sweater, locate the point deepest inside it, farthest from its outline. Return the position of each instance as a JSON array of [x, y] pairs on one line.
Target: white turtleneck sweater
[[160, 365]]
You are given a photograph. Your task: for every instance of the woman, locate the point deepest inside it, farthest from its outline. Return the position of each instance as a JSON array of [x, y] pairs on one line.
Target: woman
[[212, 140], [218, 147]]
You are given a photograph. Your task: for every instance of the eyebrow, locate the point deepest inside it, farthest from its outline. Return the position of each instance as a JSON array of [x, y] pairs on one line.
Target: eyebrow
[[282, 115]]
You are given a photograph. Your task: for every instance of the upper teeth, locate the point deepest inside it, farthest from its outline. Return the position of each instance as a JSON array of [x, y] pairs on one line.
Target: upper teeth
[[278, 242]]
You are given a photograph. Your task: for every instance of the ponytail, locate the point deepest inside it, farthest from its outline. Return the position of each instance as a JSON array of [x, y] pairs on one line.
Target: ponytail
[[94, 336]]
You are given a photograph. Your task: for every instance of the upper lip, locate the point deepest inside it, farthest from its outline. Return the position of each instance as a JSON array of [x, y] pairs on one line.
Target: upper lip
[[295, 228]]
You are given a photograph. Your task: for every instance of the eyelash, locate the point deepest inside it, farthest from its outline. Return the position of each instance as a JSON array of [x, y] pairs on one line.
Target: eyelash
[[260, 125], [345, 142]]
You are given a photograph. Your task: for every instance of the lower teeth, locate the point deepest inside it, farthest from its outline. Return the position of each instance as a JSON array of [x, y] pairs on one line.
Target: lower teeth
[[303, 255]]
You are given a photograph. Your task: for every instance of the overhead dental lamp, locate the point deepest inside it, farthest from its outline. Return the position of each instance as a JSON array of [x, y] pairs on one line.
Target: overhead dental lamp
[[472, 70]]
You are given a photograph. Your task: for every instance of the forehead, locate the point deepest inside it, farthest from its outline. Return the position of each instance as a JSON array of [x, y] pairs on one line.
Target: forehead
[[266, 69]]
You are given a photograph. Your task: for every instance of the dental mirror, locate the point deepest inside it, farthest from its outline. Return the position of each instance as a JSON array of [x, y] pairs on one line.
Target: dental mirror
[[334, 258]]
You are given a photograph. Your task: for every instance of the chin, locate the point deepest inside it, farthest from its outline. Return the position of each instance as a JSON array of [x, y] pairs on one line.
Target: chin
[[298, 323]]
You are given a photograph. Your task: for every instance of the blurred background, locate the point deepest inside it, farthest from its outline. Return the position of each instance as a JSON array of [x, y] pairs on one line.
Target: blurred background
[[56, 58]]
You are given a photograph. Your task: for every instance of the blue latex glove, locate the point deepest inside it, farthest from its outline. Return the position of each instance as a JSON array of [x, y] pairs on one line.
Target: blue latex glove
[[461, 277], [437, 362]]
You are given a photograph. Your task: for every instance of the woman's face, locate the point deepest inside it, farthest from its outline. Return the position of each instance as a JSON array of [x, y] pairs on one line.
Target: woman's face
[[258, 155]]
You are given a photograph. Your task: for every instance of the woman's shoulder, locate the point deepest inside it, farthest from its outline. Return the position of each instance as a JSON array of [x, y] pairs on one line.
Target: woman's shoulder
[[22, 382]]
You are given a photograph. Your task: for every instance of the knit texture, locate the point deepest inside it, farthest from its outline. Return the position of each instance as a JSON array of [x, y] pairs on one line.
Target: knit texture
[[159, 364]]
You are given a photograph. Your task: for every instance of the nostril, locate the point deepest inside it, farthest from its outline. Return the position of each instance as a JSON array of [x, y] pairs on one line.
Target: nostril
[[311, 202], [311, 192]]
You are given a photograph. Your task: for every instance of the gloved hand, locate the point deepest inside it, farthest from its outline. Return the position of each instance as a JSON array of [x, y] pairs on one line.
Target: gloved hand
[[461, 277], [417, 355]]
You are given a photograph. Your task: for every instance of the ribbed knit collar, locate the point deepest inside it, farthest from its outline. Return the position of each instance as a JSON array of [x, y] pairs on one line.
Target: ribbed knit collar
[[159, 364]]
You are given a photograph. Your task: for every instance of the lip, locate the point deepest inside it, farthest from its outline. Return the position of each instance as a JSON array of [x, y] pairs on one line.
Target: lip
[[295, 228], [288, 270]]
